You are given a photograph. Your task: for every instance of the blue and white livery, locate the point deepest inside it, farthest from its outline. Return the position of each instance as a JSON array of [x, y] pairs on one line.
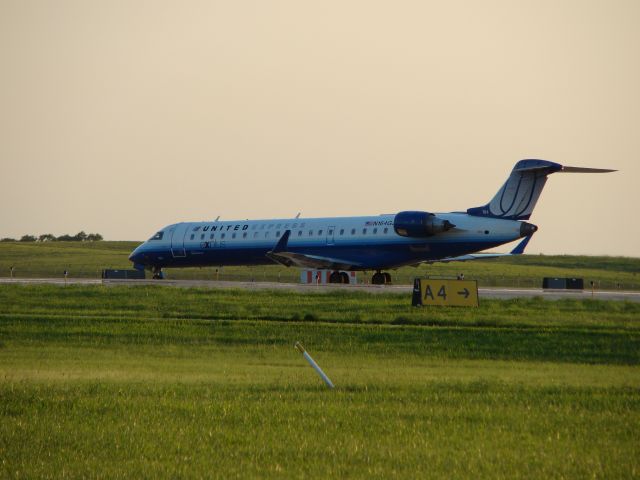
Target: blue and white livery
[[358, 243]]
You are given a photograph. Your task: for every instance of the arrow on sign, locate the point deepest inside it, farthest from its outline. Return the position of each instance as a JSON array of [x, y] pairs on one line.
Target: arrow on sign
[[464, 292]]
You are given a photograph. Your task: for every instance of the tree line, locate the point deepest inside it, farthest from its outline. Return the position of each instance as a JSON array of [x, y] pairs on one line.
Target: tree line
[[47, 237]]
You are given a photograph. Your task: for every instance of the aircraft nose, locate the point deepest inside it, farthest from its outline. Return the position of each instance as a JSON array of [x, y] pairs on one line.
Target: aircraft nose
[[136, 256]]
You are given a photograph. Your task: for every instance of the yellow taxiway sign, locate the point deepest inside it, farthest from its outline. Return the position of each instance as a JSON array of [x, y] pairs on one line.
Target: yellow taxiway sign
[[431, 291]]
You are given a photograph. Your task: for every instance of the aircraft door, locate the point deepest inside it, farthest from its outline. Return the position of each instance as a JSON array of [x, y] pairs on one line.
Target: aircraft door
[[177, 240], [331, 231]]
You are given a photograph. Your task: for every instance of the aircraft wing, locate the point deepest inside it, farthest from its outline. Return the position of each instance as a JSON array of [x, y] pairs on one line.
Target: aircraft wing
[[280, 255], [518, 250], [310, 261]]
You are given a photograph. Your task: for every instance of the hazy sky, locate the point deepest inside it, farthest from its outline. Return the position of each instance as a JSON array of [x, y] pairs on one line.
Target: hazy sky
[[120, 117]]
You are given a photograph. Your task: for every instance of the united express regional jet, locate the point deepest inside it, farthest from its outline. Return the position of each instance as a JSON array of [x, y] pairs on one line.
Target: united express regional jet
[[375, 243]]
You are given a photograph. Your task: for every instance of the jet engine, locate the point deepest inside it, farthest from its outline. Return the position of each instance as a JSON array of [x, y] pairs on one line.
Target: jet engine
[[420, 224]]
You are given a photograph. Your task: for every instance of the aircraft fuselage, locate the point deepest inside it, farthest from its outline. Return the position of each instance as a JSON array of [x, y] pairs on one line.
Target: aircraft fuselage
[[368, 243]]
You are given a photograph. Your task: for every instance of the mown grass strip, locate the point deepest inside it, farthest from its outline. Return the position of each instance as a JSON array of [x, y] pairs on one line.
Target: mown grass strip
[[567, 331]]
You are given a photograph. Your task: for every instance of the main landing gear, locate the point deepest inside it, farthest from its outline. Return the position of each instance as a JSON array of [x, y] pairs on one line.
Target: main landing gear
[[339, 277], [158, 274], [381, 278]]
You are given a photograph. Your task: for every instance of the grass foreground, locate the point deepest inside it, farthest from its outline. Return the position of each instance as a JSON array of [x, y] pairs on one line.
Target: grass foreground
[[158, 382]]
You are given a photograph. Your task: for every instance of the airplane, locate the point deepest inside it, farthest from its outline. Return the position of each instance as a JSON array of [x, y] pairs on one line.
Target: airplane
[[365, 243]]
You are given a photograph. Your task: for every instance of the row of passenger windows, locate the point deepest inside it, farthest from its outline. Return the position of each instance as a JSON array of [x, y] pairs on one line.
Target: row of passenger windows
[[300, 233]]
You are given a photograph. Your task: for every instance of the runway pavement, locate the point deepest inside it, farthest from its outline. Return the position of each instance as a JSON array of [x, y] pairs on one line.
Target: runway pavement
[[503, 293]]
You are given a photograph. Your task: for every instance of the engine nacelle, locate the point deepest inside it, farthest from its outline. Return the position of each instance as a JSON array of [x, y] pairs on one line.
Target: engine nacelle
[[420, 224]]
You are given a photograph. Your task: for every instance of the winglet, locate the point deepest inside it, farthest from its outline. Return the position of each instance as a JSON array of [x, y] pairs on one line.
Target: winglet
[[281, 246], [519, 250]]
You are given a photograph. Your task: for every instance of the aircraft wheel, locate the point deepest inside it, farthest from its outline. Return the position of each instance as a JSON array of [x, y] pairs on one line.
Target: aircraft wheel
[[335, 277], [387, 278], [157, 274], [345, 277], [377, 279]]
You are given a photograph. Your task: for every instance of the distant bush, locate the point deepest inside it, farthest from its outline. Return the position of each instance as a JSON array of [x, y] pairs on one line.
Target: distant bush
[[80, 237], [48, 237]]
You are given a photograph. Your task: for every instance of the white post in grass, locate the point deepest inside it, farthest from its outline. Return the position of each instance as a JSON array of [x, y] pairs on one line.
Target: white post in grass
[[315, 366]]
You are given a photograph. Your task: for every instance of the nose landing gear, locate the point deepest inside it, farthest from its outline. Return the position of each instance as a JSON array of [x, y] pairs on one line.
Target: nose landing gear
[[158, 274]]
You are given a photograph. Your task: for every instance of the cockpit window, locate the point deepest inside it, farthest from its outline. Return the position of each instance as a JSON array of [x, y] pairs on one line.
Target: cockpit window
[[157, 236]]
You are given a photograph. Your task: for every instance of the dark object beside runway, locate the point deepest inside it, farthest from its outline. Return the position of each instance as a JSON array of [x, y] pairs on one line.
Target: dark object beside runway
[[562, 283], [123, 274]]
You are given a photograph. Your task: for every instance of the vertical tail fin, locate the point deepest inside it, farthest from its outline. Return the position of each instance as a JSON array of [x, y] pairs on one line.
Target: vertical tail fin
[[519, 194]]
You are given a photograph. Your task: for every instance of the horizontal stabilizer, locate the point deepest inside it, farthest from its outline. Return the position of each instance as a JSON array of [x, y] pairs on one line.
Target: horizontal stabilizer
[[586, 170]]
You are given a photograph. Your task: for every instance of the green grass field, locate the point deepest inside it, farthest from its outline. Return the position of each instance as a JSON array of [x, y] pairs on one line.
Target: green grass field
[[87, 259], [159, 382]]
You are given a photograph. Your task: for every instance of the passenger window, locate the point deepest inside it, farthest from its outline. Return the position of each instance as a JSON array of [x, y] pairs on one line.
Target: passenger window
[[319, 232], [202, 236], [193, 235], [353, 231], [278, 233], [329, 232], [255, 234], [364, 231], [299, 233], [386, 230], [244, 235], [310, 233], [342, 231], [223, 235], [375, 230], [266, 234], [233, 235], [211, 236]]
